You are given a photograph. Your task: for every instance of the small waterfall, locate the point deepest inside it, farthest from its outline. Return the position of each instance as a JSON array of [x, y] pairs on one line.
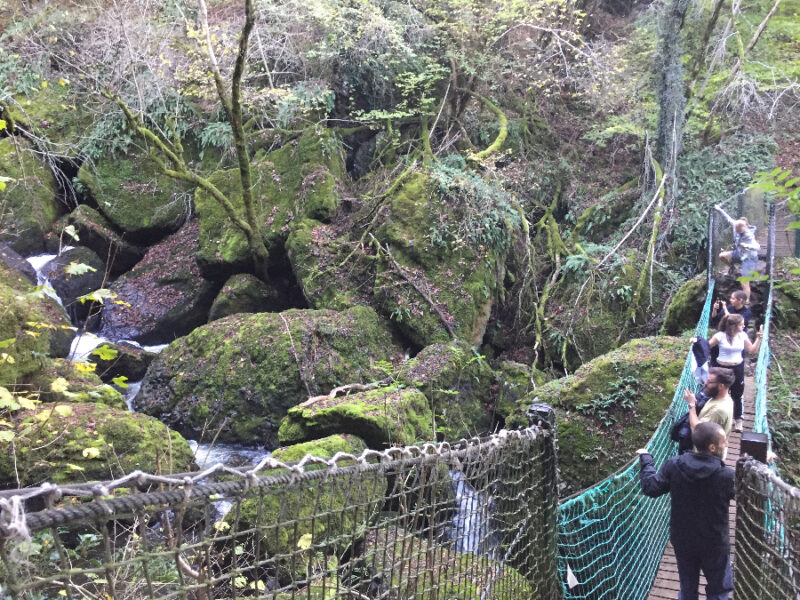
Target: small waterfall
[[39, 263], [471, 530]]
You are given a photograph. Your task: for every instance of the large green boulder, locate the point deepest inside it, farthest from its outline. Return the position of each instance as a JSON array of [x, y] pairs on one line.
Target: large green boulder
[[786, 301], [124, 359], [297, 180], [458, 383], [71, 442], [610, 406], [381, 417], [32, 326], [428, 287], [332, 271], [29, 204], [244, 293], [328, 512], [240, 374], [514, 381], [96, 233], [164, 296], [136, 197], [686, 305], [61, 380], [54, 114]]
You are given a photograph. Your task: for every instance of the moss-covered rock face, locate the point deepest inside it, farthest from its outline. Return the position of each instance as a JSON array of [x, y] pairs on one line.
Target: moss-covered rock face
[[130, 361], [295, 181], [786, 305], [73, 274], [25, 310], [285, 513], [60, 380], [133, 194], [243, 372], [610, 406], [685, 307], [329, 275], [381, 417], [95, 232], [461, 281], [243, 293], [29, 205], [514, 381], [167, 296], [50, 441], [16, 263], [54, 115], [458, 384]]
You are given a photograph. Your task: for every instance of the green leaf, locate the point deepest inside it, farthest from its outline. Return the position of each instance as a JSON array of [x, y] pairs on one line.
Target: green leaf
[[62, 410], [70, 231], [7, 343], [3, 124], [76, 268], [792, 182], [106, 352], [793, 225], [119, 381], [98, 296], [7, 400], [74, 467], [6, 436], [90, 453]]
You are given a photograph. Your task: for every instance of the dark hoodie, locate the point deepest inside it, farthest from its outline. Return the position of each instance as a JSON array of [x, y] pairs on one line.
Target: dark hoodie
[[701, 488]]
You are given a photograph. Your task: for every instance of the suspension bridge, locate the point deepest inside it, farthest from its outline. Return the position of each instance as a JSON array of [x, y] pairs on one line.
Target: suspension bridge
[[477, 519]]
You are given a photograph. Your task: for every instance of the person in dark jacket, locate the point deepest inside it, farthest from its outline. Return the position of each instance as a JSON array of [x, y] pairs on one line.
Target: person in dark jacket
[[736, 306], [700, 488]]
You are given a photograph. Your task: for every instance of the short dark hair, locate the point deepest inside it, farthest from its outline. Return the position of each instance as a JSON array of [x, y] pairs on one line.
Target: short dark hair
[[723, 375], [740, 295], [705, 434]]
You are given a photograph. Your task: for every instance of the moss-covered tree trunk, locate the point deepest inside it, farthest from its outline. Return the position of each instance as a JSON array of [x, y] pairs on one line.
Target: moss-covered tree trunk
[[671, 98]]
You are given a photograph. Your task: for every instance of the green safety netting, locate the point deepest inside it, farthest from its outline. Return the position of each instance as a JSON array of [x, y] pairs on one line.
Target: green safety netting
[[610, 536]]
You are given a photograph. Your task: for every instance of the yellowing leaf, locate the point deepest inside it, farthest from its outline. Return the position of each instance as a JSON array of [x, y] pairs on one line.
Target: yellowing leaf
[[304, 543], [70, 231], [119, 381], [76, 268], [27, 403], [258, 585], [74, 467], [7, 343], [62, 410], [86, 367], [90, 453], [62, 82], [221, 526], [44, 84], [44, 415], [59, 385], [5, 357], [2, 124], [6, 436], [105, 352], [7, 400]]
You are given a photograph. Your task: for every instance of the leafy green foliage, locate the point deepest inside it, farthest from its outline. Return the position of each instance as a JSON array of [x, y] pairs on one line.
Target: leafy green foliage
[[622, 395]]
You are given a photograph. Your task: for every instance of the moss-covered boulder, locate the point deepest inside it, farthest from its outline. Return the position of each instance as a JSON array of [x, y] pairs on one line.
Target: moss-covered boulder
[[29, 204], [422, 285], [610, 406], [786, 301], [75, 273], [332, 271], [244, 293], [458, 383], [60, 380], [25, 310], [164, 297], [333, 511], [242, 373], [14, 261], [55, 115], [685, 307], [95, 232], [381, 417], [295, 181], [136, 197], [84, 442], [124, 360], [514, 381]]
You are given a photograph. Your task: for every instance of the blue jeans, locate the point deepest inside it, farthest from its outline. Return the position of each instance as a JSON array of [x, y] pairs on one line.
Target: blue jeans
[[716, 567]]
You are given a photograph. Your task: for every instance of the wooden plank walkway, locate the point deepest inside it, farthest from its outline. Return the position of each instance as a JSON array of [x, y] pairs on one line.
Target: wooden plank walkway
[[665, 586]]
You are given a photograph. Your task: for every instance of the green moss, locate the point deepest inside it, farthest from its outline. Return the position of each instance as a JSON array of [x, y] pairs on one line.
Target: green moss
[[133, 194], [685, 307], [295, 181], [242, 293], [786, 303], [610, 406], [21, 306], [381, 417], [55, 115], [460, 279], [324, 508], [246, 370], [61, 381], [29, 205], [515, 380], [50, 447]]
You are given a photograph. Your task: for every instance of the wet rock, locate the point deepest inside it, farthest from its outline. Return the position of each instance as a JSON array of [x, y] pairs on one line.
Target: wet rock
[[244, 293], [61, 380], [30, 205], [73, 274], [130, 361], [136, 197], [685, 307], [165, 297], [16, 262], [381, 417], [241, 373]]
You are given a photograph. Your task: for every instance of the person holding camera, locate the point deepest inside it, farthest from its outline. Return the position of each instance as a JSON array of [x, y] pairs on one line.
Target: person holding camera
[[737, 305]]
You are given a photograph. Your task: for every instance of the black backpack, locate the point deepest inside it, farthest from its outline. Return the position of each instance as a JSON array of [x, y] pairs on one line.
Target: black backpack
[[681, 431]]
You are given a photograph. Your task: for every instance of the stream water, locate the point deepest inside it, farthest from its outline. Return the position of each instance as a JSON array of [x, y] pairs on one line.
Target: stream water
[[471, 527]]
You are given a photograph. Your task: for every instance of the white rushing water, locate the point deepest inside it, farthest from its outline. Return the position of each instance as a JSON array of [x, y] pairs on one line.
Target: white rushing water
[[38, 263], [471, 529]]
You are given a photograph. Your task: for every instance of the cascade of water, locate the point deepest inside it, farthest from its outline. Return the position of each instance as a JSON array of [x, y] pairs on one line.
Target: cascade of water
[[38, 263], [471, 529]]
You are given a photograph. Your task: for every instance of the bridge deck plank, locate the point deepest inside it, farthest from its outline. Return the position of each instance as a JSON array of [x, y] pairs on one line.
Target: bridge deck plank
[[665, 586]]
